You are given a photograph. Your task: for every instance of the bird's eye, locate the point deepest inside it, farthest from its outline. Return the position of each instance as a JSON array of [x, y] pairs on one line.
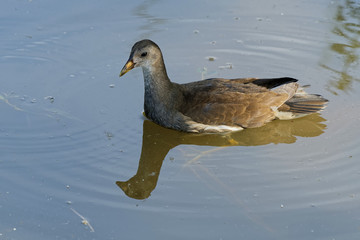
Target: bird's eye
[[144, 54]]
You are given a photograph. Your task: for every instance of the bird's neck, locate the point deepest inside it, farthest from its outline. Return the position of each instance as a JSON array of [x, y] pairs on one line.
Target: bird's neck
[[162, 97], [158, 88]]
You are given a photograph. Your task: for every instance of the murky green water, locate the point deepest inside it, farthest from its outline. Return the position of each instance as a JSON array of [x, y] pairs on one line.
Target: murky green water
[[79, 161]]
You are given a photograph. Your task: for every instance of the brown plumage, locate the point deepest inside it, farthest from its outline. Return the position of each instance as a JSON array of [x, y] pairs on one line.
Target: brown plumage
[[216, 105]]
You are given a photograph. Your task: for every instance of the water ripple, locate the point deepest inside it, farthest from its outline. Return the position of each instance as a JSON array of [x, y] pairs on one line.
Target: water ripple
[[24, 58]]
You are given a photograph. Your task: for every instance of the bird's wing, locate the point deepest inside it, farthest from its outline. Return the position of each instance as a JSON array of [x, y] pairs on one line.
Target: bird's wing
[[236, 102]]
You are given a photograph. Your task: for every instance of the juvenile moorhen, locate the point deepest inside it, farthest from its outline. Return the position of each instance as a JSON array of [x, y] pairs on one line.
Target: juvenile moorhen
[[216, 105]]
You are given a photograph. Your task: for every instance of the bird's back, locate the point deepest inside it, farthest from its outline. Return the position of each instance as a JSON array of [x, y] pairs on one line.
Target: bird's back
[[234, 102]]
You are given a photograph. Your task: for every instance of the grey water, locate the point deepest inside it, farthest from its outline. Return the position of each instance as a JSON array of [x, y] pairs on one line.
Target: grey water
[[79, 161]]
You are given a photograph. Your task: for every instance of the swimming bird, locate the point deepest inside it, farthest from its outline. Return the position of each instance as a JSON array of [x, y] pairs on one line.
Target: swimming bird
[[216, 105]]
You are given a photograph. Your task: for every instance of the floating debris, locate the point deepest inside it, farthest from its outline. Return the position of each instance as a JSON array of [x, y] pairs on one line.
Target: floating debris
[[50, 98], [109, 135], [211, 58], [83, 220], [227, 66], [5, 97], [196, 31], [203, 72], [111, 85]]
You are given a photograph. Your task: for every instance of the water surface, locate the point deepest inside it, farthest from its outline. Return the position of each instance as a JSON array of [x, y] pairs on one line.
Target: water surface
[[79, 161]]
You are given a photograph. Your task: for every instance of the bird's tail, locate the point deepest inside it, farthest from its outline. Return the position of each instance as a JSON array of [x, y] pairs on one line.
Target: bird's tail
[[301, 104], [306, 103]]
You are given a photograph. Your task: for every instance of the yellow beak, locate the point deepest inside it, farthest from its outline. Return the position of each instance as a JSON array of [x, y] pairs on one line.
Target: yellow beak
[[128, 66]]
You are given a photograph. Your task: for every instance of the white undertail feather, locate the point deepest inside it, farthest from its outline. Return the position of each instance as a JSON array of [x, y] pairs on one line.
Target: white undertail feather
[[282, 115], [196, 127]]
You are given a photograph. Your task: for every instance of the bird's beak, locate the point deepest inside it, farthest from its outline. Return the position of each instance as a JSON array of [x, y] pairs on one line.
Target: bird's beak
[[128, 66]]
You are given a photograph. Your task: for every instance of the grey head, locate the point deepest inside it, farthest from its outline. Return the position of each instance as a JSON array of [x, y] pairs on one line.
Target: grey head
[[144, 53]]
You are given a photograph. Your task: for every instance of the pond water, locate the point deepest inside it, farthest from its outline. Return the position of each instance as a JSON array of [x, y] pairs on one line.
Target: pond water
[[79, 161]]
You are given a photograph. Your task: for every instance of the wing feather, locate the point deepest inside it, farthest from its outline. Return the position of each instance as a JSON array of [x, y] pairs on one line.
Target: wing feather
[[232, 102]]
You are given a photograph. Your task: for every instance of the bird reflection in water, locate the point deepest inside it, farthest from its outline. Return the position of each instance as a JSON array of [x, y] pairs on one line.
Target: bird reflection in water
[[158, 141]]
